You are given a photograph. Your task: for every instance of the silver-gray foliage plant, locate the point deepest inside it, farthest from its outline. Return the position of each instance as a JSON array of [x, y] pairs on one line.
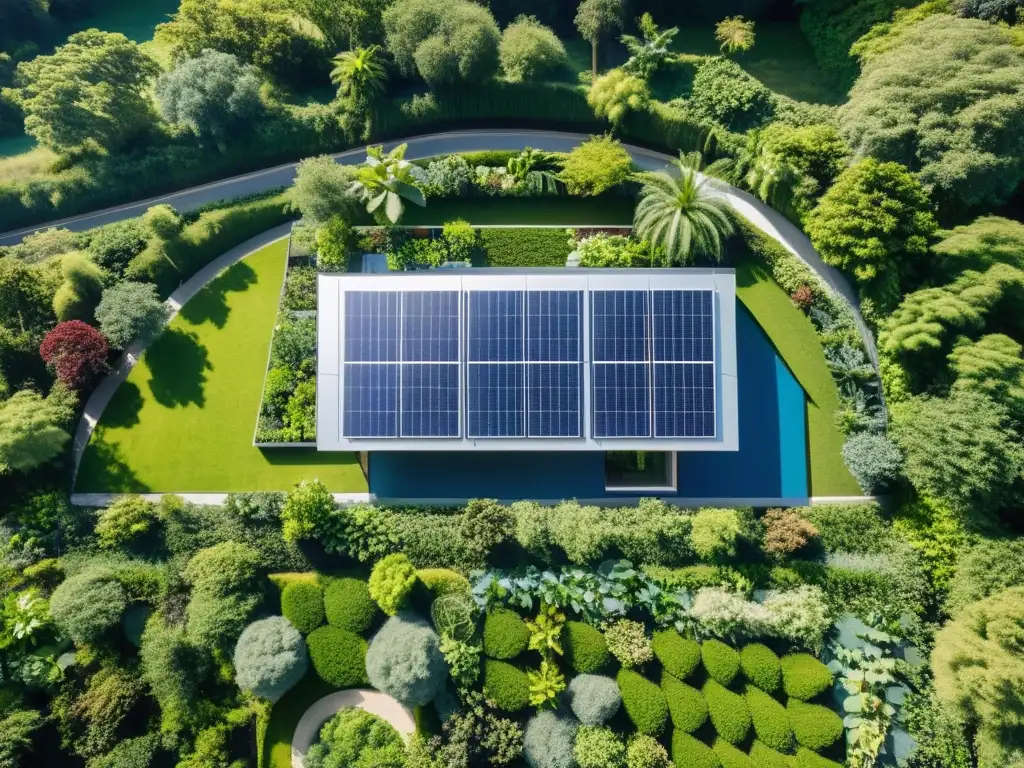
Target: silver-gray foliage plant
[[270, 658], [594, 699], [404, 660], [549, 740]]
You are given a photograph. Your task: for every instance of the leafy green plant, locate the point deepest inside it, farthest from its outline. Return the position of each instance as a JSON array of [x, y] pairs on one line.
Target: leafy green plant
[[391, 581], [628, 642], [546, 631], [463, 660], [387, 180], [545, 685]]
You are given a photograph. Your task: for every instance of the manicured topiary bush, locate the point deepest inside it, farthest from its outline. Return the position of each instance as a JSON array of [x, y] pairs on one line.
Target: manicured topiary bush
[[761, 666], [688, 752], [270, 658], [815, 727], [505, 685], [685, 703], [593, 698], [721, 661], [805, 758], [728, 712], [771, 723], [347, 604], [678, 655], [598, 747], [302, 604], [443, 581], [644, 751], [731, 757], [804, 677], [391, 581], [404, 660], [766, 757], [549, 740], [644, 702], [505, 634], [87, 604], [585, 647], [338, 656]]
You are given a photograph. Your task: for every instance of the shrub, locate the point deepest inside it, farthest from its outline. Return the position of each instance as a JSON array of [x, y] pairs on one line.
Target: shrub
[[505, 634], [131, 312], [595, 166], [646, 752], [688, 752], [447, 176], [724, 93], [687, 707], [306, 511], [728, 712], [270, 658], [721, 661], [585, 647], [990, 566], [76, 353], [786, 532], [874, 460], [643, 701], [815, 727], [800, 615], [355, 738], [80, 292], [548, 741], [713, 533], [443, 581], [175, 670], [766, 757], [303, 605], [347, 604], [678, 655], [115, 245], [455, 615], [771, 723], [525, 247], [127, 519], [616, 93], [730, 757], [594, 699], [628, 642], [162, 221], [761, 667], [391, 581], [804, 677], [361, 531], [88, 604], [530, 51], [857, 528], [725, 614], [598, 747], [484, 525], [507, 686], [404, 660], [338, 656], [805, 758]]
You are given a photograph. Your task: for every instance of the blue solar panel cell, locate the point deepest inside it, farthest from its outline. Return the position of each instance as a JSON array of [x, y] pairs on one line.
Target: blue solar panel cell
[[430, 400], [495, 400], [683, 326], [554, 399], [684, 400], [622, 400], [372, 326], [430, 326], [495, 326], [554, 326], [370, 400], [619, 326]]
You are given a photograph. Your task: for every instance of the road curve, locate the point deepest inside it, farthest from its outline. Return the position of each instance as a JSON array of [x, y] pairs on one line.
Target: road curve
[[761, 215]]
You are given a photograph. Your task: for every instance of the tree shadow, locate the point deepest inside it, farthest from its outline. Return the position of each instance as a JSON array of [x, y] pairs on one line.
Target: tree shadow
[[123, 408], [210, 304], [105, 470], [178, 364]]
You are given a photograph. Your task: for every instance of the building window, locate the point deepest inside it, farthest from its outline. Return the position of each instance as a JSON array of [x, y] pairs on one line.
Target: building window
[[640, 471]]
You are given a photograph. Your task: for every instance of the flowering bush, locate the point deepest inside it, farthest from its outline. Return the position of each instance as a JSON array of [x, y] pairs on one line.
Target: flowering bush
[[628, 642]]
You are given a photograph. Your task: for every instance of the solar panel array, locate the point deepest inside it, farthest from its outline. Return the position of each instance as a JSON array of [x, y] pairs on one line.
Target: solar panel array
[[652, 369]]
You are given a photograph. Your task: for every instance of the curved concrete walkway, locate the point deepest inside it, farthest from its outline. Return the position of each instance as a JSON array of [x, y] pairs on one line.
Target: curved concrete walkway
[[374, 702]]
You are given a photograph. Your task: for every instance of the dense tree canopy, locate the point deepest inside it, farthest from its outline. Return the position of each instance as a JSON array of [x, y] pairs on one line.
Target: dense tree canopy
[[76, 353], [530, 51], [985, 241], [993, 366], [30, 432], [947, 101], [323, 189], [129, 312]]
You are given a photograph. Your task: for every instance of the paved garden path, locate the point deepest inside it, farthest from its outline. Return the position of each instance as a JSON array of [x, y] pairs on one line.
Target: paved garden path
[[374, 702]]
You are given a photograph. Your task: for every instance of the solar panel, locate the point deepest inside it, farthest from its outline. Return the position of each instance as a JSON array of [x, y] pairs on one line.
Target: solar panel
[[622, 400], [683, 326], [371, 326], [370, 400], [430, 400], [619, 326], [495, 395], [684, 400], [430, 326], [553, 326], [495, 326], [554, 399]]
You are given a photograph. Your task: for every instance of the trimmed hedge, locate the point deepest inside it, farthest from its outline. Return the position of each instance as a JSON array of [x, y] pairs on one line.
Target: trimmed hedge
[[728, 712], [766, 757], [347, 604], [771, 723], [505, 634], [730, 757], [678, 655], [585, 648], [721, 661], [815, 727], [805, 758], [687, 707], [761, 666], [338, 656], [643, 701], [687, 752], [443, 581], [525, 246], [804, 677], [507, 686], [303, 605]]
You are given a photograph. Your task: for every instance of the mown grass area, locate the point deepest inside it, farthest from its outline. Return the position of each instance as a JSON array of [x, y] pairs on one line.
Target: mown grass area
[[285, 715], [184, 419]]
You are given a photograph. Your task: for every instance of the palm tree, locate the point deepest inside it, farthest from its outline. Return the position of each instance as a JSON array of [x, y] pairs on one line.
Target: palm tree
[[649, 53], [387, 180], [359, 74], [682, 214]]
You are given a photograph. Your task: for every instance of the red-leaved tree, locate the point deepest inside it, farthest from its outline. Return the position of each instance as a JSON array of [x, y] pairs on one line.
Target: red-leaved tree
[[76, 353]]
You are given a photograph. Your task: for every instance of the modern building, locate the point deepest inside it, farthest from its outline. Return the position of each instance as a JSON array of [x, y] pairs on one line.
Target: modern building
[[552, 384]]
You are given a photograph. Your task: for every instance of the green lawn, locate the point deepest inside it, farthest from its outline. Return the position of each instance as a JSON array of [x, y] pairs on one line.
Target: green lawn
[[285, 715], [184, 419]]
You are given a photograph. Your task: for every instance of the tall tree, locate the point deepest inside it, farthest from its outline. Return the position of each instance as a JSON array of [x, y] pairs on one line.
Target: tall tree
[[681, 214], [386, 181], [360, 76], [596, 19], [323, 190], [650, 52]]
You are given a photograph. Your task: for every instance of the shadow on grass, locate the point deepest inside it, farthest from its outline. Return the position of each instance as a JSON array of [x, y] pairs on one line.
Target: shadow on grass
[[105, 470], [211, 304], [178, 364], [297, 457], [123, 409]]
